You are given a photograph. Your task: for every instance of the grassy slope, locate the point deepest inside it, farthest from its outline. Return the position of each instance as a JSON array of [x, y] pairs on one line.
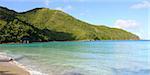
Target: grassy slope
[[56, 25]]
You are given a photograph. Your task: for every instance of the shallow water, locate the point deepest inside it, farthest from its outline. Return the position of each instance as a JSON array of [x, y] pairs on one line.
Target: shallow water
[[84, 58]]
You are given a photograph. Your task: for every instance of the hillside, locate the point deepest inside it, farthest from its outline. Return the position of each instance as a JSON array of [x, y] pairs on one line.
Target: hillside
[[43, 24]]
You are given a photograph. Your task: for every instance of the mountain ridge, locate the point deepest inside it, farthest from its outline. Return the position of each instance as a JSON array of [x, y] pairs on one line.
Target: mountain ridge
[[44, 24]]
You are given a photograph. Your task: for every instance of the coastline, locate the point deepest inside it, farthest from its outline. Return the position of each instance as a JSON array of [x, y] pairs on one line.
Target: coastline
[[67, 41], [12, 67]]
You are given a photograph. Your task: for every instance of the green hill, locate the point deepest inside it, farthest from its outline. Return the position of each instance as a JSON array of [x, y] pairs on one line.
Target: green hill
[[43, 24]]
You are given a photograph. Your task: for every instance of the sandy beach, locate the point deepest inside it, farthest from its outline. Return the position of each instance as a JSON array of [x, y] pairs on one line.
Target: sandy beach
[[9, 68]]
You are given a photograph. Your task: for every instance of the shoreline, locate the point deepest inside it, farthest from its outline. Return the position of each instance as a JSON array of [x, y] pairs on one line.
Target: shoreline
[[16, 68], [67, 41], [12, 67]]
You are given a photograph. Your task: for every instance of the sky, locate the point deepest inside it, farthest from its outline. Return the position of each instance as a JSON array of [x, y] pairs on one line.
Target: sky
[[130, 15]]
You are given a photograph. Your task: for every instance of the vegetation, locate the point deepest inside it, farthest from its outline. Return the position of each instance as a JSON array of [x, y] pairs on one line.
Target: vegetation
[[43, 24]]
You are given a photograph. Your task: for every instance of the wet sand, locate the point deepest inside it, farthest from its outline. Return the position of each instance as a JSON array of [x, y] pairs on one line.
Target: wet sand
[[10, 68]]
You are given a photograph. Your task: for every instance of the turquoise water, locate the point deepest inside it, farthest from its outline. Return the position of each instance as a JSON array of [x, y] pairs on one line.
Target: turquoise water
[[84, 58]]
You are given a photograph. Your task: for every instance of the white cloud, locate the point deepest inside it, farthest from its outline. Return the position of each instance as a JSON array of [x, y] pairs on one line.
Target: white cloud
[[126, 24], [143, 4]]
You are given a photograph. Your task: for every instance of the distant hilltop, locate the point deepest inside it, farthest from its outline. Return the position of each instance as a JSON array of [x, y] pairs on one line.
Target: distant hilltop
[[43, 24]]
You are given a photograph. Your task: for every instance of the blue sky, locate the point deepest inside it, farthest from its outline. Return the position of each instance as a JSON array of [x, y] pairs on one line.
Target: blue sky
[[131, 15]]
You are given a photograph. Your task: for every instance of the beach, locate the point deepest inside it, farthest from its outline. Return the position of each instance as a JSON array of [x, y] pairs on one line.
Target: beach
[[11, 68]]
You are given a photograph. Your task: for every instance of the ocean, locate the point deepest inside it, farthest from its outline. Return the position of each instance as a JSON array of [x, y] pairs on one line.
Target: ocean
[[83, 57]]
